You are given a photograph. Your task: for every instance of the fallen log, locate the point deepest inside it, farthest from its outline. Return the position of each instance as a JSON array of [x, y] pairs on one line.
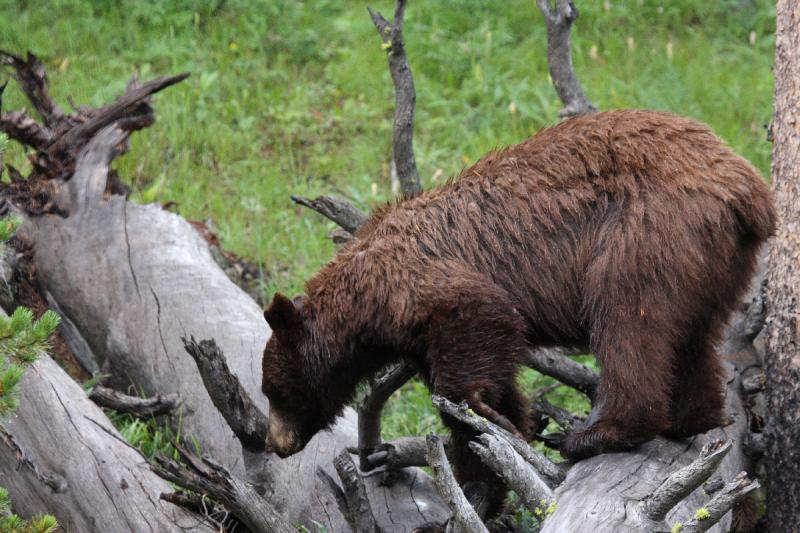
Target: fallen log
[[59, 454], [135, 279]]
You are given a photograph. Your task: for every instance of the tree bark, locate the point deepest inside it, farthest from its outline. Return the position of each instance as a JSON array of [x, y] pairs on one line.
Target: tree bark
[[782, 362]]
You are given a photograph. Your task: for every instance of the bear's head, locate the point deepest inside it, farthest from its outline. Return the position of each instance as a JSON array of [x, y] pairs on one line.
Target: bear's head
[[293, 378]]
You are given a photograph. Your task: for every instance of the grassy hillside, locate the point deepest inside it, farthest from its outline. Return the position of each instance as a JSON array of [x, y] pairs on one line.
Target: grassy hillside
[[294, 97]]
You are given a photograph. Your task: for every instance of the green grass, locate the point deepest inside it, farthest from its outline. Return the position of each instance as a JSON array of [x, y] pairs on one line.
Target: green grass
[[294, 98]]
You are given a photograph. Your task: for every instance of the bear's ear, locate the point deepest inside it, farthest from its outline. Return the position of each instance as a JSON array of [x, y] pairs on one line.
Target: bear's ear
[[282, 314], [299, 301]]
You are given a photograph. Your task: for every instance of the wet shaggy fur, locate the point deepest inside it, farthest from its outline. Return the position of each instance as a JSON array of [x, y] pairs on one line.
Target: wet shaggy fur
[[630, 233]]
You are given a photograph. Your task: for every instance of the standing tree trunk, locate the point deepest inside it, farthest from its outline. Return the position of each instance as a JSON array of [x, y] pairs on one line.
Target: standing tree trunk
[[783, 283]]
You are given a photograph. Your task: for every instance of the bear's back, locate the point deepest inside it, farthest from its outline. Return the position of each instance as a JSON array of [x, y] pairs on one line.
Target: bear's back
[[630, 185]]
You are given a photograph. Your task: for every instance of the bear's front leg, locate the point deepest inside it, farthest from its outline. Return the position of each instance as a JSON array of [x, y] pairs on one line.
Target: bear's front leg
[[475, 340]]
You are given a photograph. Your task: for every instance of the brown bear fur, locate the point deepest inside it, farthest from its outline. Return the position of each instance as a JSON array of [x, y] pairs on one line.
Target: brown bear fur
[[630, 233]]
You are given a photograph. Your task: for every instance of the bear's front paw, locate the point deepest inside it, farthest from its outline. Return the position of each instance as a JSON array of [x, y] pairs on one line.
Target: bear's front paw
[[589, 442]]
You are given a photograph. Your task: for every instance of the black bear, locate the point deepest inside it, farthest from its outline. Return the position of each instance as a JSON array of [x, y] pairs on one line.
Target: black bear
[[630, 233]]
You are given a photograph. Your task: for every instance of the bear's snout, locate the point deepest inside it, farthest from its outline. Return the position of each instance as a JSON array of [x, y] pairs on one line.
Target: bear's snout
[[283, 439]]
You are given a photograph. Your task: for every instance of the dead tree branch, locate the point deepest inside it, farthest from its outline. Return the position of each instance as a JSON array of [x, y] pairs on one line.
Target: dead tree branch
[[244, 418], [216, 515], [369, 410], [562, 417], [119, 110], [722, 502], [550, 472], [465, 519], [401, 453], [138, 407], [405, 98], [559, 19], [553, 363], [206, 477], [340, 211], [23, 129], [681, 483], [358, 510], [32, 77], [520, 476]]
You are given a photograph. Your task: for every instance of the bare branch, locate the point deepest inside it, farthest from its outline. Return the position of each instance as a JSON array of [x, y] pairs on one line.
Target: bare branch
[[369, 410], [33, 79], [734, 492], [681, 483], [206, 477], [401, 453], [566, 420], [359, 511], [26, 131], [553, 363], [523, 479], [139, 407], [244, 418], [119, 110], [201, 505], [551, 473], [559, 21], [391, 34], [464, 516], [340, 211]]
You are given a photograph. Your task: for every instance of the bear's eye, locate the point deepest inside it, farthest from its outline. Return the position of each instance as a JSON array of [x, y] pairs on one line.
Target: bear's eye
[[273, 394]]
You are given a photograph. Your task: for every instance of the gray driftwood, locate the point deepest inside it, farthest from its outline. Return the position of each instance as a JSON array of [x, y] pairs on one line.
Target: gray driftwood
[[59, 454]]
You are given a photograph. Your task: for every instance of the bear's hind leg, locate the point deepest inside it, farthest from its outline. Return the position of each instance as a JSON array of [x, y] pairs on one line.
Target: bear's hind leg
[[632, 402], [698, 398]]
